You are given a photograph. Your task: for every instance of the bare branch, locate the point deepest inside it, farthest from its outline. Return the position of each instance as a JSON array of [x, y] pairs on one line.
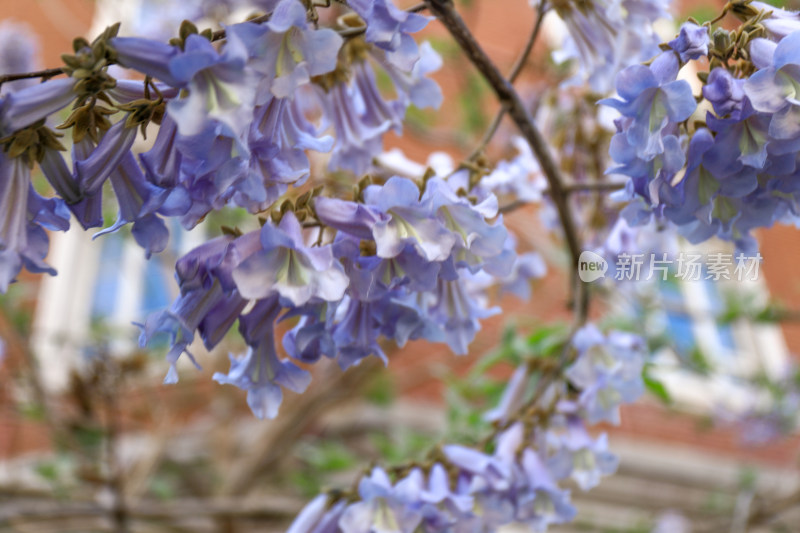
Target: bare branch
[[512, 77], [598, 187], [45, 74], [510, 100]]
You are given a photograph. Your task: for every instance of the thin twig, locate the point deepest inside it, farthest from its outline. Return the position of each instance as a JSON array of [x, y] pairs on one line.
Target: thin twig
[[115, 481], [45, 74], [512, 77], [510, 100], [598, 187]]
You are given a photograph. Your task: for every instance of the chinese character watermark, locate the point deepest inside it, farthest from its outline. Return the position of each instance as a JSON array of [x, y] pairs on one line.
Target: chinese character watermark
[[685, 266]]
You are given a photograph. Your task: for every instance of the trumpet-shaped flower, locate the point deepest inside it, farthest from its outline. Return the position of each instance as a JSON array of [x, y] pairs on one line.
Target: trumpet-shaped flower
[[285, 265], [260, 372]]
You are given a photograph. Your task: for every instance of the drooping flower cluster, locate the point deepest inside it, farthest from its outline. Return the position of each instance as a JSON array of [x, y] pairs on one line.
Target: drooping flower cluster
[[518, 482], [233, 116], [736, 171], [606, 36], [398, 264]]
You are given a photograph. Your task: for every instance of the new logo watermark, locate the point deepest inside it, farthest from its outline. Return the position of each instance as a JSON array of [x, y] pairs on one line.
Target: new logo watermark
[[591, 266]]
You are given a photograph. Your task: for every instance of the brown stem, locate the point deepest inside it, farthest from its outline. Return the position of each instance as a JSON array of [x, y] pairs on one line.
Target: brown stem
[[45, 74], [118, 511], [512, 77], [447, 15], [598, 187]]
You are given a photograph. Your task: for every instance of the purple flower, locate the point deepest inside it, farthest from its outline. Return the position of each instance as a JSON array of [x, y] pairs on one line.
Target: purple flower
[[18, 50], [30, 105], [287, 266], [780, 22], [162, 162], [477, 241], [316, 517], [279, 138], [608, 370], [725, 93], [457, 313], [512, 397], [259, 371], [653, 100], [394, 216], [383, 507], [773, 89], [180, 323], [691, 42], [388, 28], [312, 337], [579, 456], [89, 209], [138, 200], [357, 332], [542, 502], [411, 221], [413, 86], [59, 176], [608, 36], [23, 241], [520, 177], [220, 88], [148, 56], [359, 116], [286, 51], [93, 171]]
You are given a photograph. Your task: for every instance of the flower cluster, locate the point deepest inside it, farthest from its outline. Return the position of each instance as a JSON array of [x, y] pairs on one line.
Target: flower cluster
[[466, 489], [401, 263], [734, 171], [233, 117], [606, 36]]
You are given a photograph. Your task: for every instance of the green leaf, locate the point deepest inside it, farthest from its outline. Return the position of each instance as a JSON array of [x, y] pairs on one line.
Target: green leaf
[[381, 391], [548, 340], [656, 388], [47, 470], [327, 456]]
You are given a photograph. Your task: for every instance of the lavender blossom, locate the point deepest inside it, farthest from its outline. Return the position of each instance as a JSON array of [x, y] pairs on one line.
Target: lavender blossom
[[287, 266], [608, 371], [260, 372], [286, 51], [691, 42], [23, 241], [18, 51], [388, 28], [28, 106], [359, 116]]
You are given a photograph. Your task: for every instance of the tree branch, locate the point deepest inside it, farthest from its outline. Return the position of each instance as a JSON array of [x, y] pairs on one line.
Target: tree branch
[[45, 74], [598, 187], [510, 100], [512, 77]]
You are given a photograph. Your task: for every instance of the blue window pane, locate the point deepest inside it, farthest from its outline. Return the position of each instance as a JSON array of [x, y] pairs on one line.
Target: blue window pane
[[156, 293], [679, 329], [108, 279], [726, 339], [716, 307]]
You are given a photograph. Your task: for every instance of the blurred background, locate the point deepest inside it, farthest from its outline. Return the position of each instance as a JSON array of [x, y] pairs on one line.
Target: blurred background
[[91, 441]]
